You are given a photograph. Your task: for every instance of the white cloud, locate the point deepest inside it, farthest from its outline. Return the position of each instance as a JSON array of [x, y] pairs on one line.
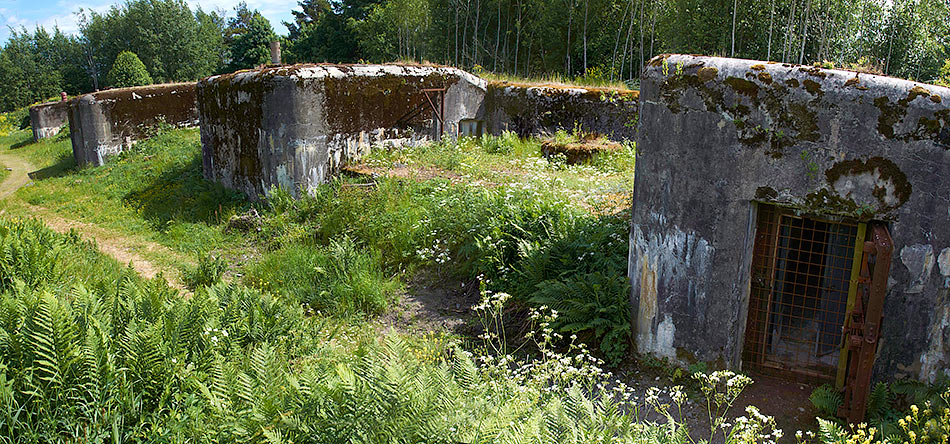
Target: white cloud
[[66, 19], [276, 11]]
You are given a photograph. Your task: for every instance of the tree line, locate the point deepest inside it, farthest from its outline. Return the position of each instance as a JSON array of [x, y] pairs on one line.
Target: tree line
[[601, 40]]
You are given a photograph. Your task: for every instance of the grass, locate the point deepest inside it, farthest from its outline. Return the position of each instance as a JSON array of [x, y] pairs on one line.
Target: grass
[[339, 278], [155, 192], [513, 161], [595, 78], [493, 213], [90, 352]]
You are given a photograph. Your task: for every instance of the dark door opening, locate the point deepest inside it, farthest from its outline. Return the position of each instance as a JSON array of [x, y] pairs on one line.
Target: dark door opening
[[802, 280]]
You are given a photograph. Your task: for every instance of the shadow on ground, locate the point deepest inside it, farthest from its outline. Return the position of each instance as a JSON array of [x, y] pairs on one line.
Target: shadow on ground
[[64, 164], [183, 194]]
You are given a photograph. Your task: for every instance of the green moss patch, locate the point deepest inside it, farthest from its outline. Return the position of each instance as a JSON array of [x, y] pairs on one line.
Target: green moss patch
[[708, 73], [743, 86], [887, 171]]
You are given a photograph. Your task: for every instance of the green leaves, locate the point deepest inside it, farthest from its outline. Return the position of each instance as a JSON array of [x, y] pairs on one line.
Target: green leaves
[[249, 36], [128, 70]]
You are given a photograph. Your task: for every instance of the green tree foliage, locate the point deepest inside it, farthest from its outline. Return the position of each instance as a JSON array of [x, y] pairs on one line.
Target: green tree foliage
[[248, 36], [944, 76], [396, 29], [38, 66], [616, 37], [603, 39], [174, 42], [323, 30], [128, 70]]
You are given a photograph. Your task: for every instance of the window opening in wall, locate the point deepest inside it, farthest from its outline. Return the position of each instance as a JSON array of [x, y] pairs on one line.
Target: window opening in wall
[[471, 128], [803, 273]]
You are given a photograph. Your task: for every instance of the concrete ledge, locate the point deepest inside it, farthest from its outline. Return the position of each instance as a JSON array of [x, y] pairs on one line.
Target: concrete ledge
[[105, 123], [294, 126], [47, 119], [716, 134], [530, 110]]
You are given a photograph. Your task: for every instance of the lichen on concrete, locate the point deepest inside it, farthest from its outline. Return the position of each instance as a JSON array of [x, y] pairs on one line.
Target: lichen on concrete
[[47, 119], [295, 126], [105, 123], [820, 142]]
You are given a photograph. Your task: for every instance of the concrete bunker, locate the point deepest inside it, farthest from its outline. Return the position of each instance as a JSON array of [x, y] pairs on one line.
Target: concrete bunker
[[294, 126], [537, 110], [47, 119], [105, 123], [759, 187]]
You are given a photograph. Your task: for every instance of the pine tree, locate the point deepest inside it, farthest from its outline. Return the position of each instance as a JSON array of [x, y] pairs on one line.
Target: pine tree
[[128, 70], [249, 37]]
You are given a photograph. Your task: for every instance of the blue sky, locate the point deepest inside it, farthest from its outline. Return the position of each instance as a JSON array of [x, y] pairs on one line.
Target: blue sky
[[49, 13]]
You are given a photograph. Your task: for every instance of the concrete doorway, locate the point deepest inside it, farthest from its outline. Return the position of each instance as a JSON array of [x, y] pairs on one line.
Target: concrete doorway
[[803, 271]]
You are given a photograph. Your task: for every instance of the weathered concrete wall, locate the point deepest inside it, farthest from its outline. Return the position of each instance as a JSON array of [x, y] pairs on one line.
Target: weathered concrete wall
[[293, 126], [47, 119], [105, 123], [717, 134], [539, 110]]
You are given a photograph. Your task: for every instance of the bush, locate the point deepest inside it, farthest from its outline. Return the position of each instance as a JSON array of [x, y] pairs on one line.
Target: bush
[[340, 279], [207, 272], [582, 275], [529, 242], [135, 362], [128, 70], [943, 77]]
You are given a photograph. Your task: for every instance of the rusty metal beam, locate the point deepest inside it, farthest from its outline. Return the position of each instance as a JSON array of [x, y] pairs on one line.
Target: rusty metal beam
[[865, 322]]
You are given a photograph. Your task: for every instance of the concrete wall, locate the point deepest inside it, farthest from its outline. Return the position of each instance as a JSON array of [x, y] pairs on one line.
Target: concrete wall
[[717, 134], [539, 110], [105, 123], [47, 119], [293, 126]]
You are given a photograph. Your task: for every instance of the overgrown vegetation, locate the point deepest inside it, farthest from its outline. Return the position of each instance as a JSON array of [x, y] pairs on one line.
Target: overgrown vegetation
[[899, 411], [287, 349], [97, 354], [349, 249], [208, 271]]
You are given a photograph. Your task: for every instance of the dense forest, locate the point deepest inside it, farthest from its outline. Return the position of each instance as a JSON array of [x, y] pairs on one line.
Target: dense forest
[[598, 40]]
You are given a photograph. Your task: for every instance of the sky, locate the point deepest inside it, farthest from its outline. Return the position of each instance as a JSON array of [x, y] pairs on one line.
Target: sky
[[49, 13]]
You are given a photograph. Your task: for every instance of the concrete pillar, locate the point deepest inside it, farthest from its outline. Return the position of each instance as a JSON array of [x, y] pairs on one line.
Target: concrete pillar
[[275, 53]]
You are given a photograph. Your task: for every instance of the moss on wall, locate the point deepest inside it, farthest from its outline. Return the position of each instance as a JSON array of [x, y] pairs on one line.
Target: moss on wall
[[893, 115], [132, 111], [393, 98], [532, 110]]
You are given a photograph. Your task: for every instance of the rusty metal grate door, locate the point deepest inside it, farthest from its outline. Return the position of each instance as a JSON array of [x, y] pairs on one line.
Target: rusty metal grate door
[[801, 281]]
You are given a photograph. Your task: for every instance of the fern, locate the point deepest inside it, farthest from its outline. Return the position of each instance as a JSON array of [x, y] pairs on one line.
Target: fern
[[827, 400], [880, 401], [831, 432]]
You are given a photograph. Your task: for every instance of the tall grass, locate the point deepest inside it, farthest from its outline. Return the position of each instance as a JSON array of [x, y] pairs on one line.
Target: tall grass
[[339, 279], [346, 250], [129, 360], [530, 242]]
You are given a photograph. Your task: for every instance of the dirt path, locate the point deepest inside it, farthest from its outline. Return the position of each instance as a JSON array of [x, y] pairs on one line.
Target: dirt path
[[109, 242]]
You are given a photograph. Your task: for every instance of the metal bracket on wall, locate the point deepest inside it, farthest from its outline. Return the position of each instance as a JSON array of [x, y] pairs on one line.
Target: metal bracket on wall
[[434, 100]]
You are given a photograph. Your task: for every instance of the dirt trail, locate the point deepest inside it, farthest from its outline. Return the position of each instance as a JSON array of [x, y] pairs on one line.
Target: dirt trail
[[109, 242]]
